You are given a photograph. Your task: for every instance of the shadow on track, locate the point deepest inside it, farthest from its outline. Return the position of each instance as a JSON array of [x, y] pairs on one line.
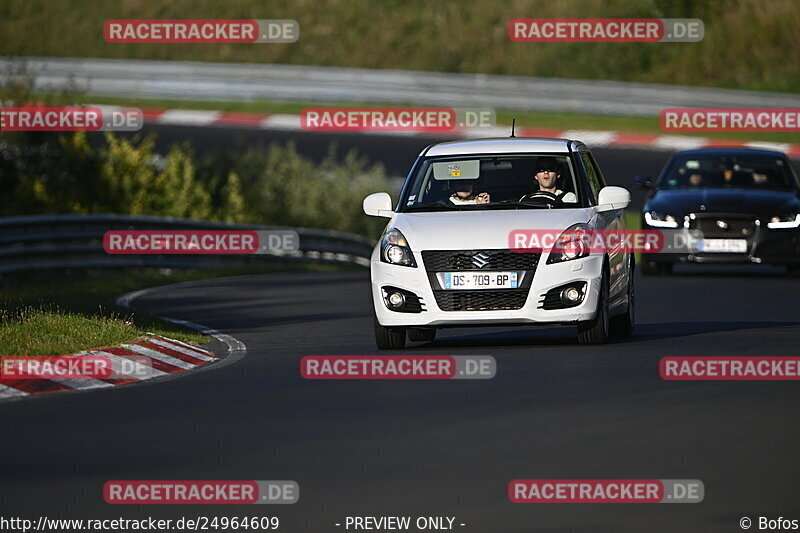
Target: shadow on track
[[565, 336]]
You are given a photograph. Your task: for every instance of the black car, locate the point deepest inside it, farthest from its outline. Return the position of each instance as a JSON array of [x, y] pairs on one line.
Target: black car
[[744, 204]]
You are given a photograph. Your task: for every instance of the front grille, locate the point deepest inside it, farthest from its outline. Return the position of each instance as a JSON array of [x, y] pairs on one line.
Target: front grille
[[455, 260], [481, 300], [732, 227]]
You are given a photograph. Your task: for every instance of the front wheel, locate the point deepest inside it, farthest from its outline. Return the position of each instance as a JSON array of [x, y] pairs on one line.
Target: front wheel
[[389, 338], [622, 325], [596, 331]]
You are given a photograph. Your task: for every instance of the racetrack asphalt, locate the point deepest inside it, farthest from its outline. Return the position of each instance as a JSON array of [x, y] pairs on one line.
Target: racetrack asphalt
[[440, 448]]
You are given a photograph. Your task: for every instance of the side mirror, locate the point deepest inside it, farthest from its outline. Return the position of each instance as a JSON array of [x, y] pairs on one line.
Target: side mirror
[[644, 182], [378, 204], [613, 199]]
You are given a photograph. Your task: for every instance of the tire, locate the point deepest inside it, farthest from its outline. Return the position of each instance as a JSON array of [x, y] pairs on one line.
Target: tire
[[421, 334], [389, 338], [652, 268], [596, 331], [622, 325]]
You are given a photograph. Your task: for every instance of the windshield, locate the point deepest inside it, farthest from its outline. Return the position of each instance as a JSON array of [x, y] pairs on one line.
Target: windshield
[[728, 171], [542, 181]]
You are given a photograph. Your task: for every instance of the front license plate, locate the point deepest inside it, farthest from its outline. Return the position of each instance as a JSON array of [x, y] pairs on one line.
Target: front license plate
[[479, 280], [735, 246]]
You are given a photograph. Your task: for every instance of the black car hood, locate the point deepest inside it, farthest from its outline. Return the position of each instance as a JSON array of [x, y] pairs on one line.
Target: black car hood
[[681, 202]]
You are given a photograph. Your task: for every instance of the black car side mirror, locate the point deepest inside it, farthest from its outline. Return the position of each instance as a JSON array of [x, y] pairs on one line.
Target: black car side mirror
[[643, 182]]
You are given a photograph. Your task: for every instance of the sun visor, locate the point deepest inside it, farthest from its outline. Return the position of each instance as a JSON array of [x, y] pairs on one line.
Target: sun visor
[[457, 170]]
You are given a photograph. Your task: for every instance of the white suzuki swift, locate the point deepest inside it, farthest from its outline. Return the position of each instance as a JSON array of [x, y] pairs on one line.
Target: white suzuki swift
[[445, 258]]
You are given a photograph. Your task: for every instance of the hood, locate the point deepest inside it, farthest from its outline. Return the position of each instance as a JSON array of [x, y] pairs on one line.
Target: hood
[[681, 202], [469, 230]]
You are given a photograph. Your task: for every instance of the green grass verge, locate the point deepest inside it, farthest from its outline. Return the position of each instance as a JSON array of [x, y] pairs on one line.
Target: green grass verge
[[748, 44], [67, 312], [524, 119]]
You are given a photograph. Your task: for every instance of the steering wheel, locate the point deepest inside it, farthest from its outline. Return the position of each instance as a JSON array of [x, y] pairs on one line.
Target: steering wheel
[[549, 197]]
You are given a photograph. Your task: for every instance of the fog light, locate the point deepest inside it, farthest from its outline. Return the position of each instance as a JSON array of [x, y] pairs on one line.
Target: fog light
[[396, 299], [570, 295]]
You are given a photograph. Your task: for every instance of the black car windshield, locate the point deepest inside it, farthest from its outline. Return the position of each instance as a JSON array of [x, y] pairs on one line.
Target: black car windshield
[[745, 171], [542, 181]]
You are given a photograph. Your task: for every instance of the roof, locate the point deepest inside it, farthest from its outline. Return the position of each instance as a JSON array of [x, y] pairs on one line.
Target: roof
[[730, 151], [501, 145]]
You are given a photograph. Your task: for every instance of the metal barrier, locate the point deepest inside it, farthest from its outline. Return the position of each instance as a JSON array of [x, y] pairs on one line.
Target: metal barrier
[[76, 241]]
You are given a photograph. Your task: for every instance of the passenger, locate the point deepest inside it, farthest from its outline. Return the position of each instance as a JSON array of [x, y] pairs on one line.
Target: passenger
[[464, 196]]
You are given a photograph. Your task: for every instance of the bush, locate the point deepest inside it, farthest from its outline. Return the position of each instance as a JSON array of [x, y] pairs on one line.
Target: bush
[[91, 173], [280, 186]]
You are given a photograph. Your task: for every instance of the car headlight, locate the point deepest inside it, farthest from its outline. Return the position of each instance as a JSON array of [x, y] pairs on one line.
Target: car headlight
[[786, 221], [570, 245], [395, 249], [651, 218]]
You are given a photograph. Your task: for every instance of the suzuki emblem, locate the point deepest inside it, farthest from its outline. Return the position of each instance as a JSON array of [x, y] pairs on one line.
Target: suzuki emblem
[[480, 260]]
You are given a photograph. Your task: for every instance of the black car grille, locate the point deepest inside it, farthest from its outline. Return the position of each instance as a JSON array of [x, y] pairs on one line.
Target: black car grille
[[455, 260], [481, 300], [723, 226], [487, 260]]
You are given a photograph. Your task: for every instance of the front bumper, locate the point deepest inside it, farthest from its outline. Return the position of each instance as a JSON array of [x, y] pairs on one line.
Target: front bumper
[[544, 278]]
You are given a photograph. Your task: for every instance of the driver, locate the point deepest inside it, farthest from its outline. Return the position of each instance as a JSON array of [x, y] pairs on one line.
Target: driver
[[463, 194], [548, 171]]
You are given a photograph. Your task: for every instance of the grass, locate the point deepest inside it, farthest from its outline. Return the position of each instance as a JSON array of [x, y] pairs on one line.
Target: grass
[[524, 119], [43, 331], [67, 312], [748, 44]]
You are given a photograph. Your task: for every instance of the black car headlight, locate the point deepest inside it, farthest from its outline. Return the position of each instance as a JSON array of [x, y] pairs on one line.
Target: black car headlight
[[785, 221], [657, 220], [395, 249], [572, 244]]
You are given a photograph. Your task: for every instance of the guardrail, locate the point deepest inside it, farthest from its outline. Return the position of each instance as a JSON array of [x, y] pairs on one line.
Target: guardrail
[[203, 81], [76, 241]]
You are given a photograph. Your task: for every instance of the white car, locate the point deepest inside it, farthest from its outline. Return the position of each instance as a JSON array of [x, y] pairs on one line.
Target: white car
[[446, 258]]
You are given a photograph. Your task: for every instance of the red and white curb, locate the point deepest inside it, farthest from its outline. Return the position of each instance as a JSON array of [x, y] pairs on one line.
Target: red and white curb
[[152, 357], [595, 139]]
